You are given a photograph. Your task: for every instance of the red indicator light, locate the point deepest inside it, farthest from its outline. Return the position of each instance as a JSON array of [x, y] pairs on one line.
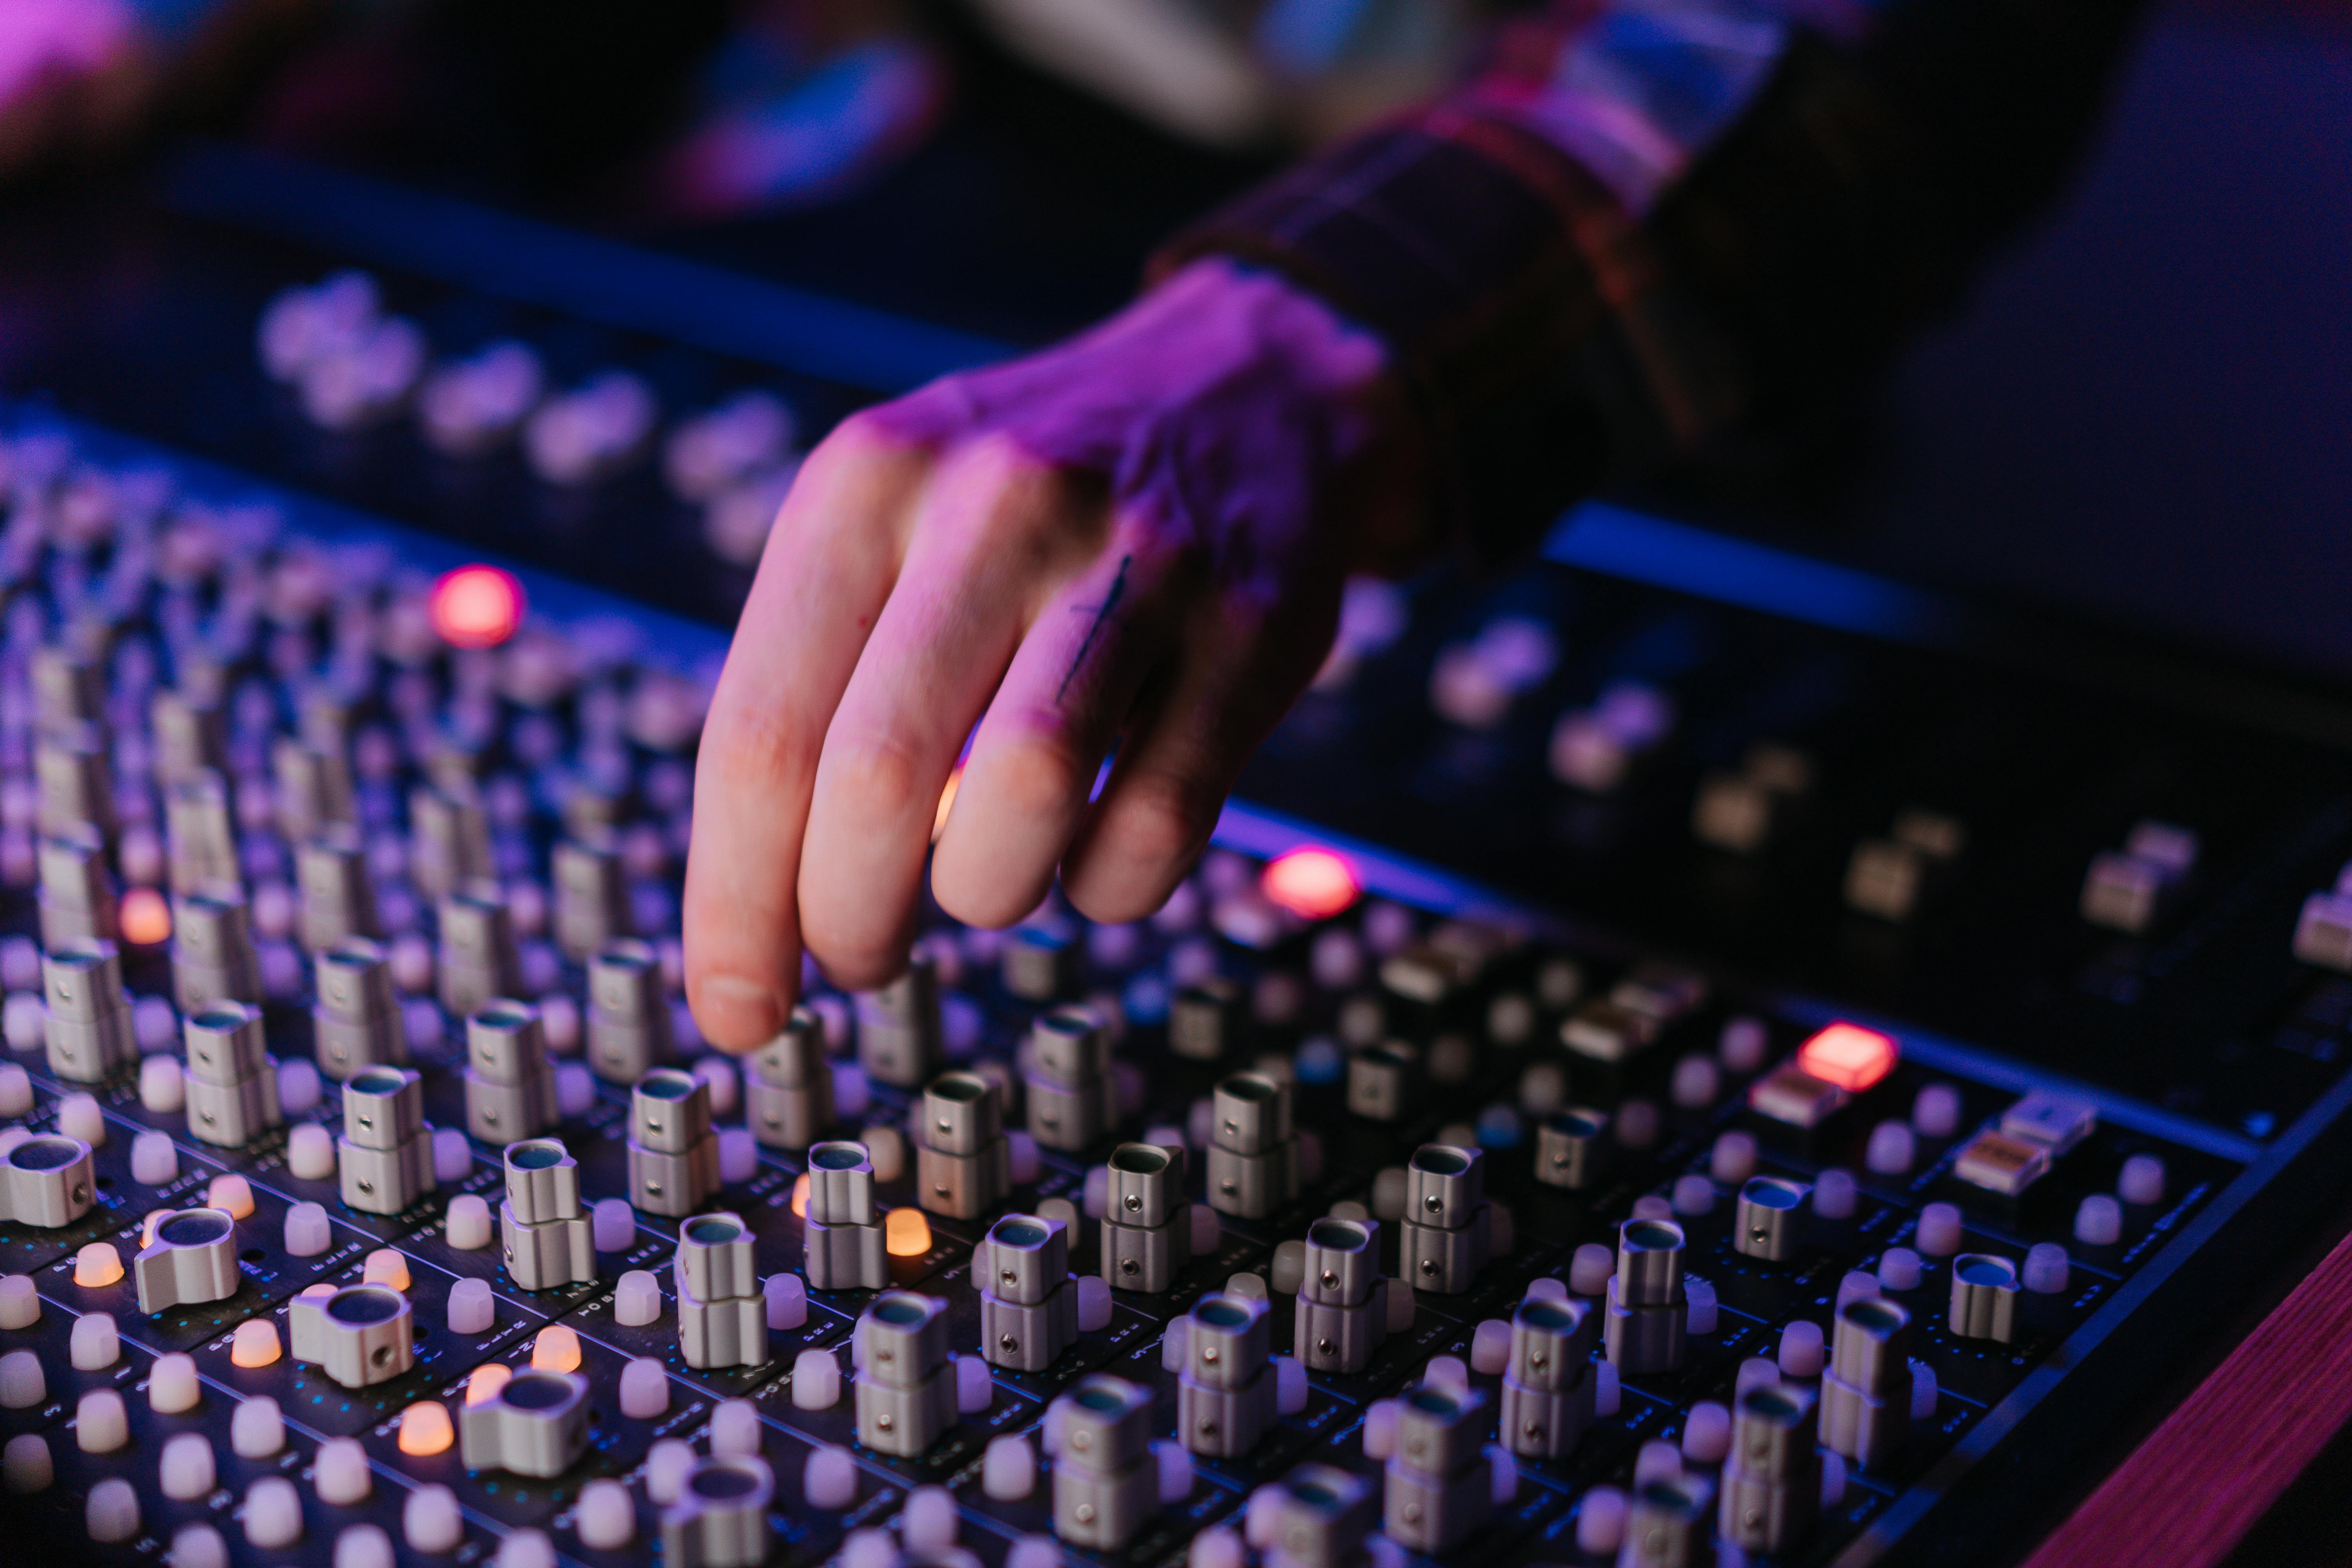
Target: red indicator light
[[477, 606], [1313, 884], [1848, 1056]]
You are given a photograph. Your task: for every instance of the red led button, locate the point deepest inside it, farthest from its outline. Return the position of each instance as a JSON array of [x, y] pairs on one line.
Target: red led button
[[1848, 1056], [1313, 884], [477, 606]]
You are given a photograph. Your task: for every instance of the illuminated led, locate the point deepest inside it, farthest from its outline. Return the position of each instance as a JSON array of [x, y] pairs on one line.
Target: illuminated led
[[799, 1195], [425, 1429], [1848, 1056], [477, 606], [1313, 884], [145, 919], [96, 1265], [386, 1266], [486, 1381], [557, 1349], [906, 1234], [947, 799], [255, 1345], [232, 1194]]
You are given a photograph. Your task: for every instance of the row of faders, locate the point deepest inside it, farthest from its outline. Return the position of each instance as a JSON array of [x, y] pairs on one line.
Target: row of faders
[[548, 1240], [212, 956], [1253, 1147], [1440, 1484], [628, 1024], [1028, 1304], [1227, 1392], [76, 896], [673, 1149], [1442, 1238], [722, 1315], [1548, 1396], [788, 1092], [88, 1028], [1147, 1228], [232, 1083], [907, 1386], [844, 1242], [1073, 1100], [509, 1080], [356, 1021], [385, 1153], [963, 1161]]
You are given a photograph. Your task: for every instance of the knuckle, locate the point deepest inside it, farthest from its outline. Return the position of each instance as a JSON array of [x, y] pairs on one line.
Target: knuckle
[[1160, 819], [1040, 774], [873, 777]]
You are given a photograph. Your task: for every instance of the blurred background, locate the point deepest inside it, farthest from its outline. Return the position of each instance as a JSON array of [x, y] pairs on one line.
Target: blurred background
[[2140, 415]]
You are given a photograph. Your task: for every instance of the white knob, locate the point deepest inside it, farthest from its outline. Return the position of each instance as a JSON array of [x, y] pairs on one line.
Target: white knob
[[172, 1385], [362, 1546], [468, 1225], [340, 1475], [113, 1513], [23, 1384], [257, 1429], [101, 1423], [606, 1519], [429, 1520], [667, 1464], [644, 1391], [187, 1470], [310, 1154], [273, 1512]]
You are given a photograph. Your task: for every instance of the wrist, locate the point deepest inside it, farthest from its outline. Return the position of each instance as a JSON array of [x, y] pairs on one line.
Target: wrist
[[1379, 480]]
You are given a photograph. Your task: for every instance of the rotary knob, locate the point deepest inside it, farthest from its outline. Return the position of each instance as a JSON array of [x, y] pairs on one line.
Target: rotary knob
[[50, 1182], [720, 1517], [536, 1423], [360, 1335], [192, 1258]]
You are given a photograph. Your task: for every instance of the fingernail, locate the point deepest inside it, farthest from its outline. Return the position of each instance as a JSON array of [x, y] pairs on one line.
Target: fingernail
[[735, 1013]]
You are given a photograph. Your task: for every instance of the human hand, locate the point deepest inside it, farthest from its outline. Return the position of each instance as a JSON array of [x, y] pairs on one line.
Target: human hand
[[1135, 540]]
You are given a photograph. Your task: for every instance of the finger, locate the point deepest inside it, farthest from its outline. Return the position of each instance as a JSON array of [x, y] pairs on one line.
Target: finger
[[996, 533], [1241, 667], [1039, 750], [822, 581]]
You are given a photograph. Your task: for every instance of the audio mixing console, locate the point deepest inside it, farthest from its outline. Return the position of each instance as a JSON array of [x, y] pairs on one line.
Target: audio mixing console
[[1684, 1055]]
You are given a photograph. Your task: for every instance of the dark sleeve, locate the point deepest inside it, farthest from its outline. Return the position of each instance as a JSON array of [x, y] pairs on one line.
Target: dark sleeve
[[1652, 226]]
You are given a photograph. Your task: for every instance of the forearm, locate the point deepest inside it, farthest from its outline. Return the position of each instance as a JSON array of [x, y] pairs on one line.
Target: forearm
[[1646, 225]]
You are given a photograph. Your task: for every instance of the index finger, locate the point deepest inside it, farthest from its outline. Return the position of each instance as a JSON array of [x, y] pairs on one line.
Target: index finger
[[827, 569]]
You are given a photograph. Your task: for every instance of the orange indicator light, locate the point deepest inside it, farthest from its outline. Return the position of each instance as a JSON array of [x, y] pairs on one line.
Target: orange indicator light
[[425, 1429], [906, 1233], [145, 919]]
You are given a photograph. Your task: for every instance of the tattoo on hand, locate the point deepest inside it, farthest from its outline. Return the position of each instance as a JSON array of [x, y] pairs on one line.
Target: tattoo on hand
[[1102, 615]]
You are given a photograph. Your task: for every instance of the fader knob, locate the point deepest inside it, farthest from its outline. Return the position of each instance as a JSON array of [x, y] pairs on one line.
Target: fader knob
[[1984, 1297], [1106, 1483]]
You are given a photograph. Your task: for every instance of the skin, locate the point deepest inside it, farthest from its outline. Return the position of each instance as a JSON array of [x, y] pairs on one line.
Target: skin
[[1133, 542]]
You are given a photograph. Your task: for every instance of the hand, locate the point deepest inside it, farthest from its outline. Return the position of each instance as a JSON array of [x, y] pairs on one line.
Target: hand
[[1136, 540]]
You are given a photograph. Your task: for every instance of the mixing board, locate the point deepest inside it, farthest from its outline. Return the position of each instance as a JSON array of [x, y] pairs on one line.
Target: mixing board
[[1685, 1055]]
